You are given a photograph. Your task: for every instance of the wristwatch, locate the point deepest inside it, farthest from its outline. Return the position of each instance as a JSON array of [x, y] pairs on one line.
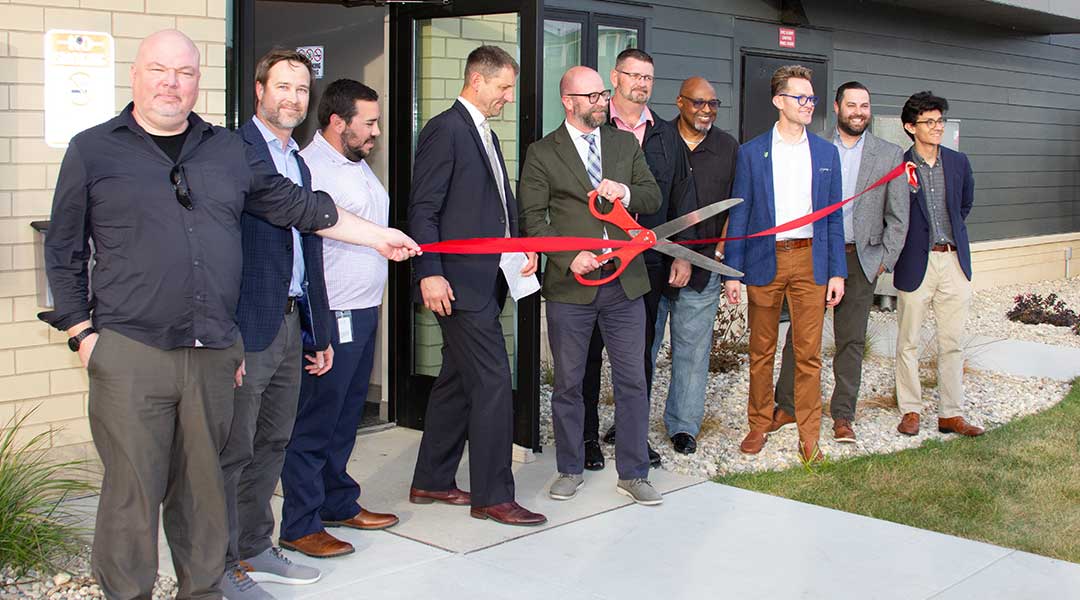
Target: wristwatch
[[75, 340]]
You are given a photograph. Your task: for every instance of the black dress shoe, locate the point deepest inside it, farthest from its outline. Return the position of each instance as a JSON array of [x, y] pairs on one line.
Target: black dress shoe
[[654, 458], [609, 435], [684, 443], [594, 456]]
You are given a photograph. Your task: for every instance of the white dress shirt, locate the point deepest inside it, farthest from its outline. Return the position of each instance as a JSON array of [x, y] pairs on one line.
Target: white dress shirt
[[793, 181], [287, 165], [355, 275]]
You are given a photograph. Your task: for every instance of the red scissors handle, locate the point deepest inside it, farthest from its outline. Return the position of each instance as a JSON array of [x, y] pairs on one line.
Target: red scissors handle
[[619, 217]]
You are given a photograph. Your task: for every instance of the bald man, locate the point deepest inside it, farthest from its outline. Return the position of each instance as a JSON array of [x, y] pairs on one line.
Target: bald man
[[160, 192], [712, 157], [582, 155]]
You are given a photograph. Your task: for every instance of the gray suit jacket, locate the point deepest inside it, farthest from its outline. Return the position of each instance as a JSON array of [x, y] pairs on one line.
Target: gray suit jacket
[[881, 215]]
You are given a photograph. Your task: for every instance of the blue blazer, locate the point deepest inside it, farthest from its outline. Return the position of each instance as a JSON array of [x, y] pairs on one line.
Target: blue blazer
[[267, 271], [959, 196], [756, 257], [454, 195]]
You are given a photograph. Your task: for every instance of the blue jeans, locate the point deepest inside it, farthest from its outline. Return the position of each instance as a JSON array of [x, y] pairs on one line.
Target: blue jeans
[[692, 318]]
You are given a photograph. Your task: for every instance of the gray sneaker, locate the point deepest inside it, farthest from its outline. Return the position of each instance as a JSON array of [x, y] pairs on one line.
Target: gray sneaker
[[272, 566], [640, 490], [566, 486], [236, 585]]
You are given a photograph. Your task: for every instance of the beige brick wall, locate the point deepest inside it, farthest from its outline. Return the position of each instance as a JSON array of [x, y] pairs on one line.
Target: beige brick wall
[[36, 368]]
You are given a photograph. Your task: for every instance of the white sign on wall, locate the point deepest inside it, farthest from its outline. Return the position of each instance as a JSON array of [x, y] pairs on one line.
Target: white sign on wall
[[80, 83], [317, 55]]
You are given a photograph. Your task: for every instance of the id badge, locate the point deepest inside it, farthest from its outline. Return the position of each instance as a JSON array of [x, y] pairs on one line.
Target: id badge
[[344, 326]]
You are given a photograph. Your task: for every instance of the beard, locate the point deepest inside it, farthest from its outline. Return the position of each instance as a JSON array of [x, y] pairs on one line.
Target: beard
[[637, 96], [852, 129], [277, 118], [354, 148], [593, 118]]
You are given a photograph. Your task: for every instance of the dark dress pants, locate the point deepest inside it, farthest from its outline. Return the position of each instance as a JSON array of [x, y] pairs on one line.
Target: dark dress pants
[[849, 329], [159, 420], [622, 325], [590, 384], [315, 483], [263, 415], [470, 399]]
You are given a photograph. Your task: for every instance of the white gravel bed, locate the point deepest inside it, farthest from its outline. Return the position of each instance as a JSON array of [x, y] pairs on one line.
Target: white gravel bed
[[990, 305], [74, 583]]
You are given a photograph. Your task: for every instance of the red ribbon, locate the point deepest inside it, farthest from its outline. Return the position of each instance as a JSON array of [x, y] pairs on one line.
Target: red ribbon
[[565, 244]]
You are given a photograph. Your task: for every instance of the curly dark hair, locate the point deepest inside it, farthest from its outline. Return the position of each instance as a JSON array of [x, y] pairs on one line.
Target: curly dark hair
[[919, 103]]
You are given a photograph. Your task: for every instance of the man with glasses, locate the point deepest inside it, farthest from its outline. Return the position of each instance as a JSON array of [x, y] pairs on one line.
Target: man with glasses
[[160, 192], [874, 230], [783, 175], [934, 268], [632, 79], [584, 155], [712, 156]]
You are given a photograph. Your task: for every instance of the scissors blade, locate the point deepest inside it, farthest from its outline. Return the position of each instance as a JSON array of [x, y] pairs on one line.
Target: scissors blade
[[693, 218], [696, 259]]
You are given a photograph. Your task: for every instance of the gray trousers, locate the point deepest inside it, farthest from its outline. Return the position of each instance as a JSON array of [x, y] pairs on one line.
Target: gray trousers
[[849, 330], [159, 420], [263, 416], [622, 326]]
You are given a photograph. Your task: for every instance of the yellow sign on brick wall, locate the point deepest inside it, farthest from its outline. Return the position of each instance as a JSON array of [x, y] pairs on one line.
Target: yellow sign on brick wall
[[79, 83]]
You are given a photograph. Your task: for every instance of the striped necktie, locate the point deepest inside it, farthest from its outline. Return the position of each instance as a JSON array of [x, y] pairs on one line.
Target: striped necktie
[[593, 162]]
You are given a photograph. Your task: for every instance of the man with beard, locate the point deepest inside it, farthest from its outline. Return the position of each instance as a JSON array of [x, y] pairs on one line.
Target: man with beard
[[461, 189], [783, 175], [632, 79], [282, 312], [318, 492], [584, 155], [875, 227], [712, 155]]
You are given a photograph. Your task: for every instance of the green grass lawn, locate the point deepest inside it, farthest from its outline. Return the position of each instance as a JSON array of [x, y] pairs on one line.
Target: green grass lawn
[[1016, 486]]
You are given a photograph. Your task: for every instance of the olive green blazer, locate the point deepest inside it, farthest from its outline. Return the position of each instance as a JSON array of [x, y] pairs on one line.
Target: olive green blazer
[[553, 193]]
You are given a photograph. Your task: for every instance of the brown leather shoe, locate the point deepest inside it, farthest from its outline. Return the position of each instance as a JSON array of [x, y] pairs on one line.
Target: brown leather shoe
[[959, 425], [780, 420], [842, 431], [318, 545], [811, 454], [753, 442], [508, 513], [454, 496], [366, 520], [909, 424]]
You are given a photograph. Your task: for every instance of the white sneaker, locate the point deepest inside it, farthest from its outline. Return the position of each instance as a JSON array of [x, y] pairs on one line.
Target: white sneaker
[[272, 566]]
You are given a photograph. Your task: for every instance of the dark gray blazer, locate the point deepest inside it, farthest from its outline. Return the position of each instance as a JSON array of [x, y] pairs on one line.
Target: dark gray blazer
[[881, 215]]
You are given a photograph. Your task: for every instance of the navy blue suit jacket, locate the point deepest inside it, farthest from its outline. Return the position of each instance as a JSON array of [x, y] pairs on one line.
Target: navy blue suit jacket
[[454, 195], [756, 257], [267, 272], [959, 197]]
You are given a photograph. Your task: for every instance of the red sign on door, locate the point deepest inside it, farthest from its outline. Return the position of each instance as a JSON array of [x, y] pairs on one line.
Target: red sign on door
[[787, 37]]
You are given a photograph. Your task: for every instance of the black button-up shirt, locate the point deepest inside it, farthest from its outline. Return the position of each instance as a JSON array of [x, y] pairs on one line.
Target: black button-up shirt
[[713, 163], [163, 275]]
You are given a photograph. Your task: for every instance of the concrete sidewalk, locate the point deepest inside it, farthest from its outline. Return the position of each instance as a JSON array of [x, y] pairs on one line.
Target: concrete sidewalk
[[706, 540]]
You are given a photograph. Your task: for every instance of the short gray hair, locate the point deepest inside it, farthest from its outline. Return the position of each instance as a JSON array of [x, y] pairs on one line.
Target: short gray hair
[[489, 60]]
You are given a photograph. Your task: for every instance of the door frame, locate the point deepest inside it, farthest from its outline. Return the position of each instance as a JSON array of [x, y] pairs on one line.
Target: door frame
[[408, 392]]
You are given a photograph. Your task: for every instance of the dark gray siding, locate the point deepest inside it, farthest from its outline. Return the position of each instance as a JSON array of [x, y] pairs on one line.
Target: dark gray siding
[[1017, 96]]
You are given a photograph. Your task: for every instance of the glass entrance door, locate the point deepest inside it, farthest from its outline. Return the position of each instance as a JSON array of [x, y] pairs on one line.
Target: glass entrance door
[[431, 44]]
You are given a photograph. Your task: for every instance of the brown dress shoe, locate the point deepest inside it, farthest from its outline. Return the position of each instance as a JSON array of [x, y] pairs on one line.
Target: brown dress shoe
[[753, 443], [366, 520], [842, 431], [508, 513], [811, 454], [959, 425], [453, 496], [318, 545], [780, 420], [909, 424]]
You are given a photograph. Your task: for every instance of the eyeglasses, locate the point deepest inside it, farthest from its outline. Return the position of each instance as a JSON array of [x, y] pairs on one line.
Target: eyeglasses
[[698, 103], [802, 100], [594, 97], [637, 76], [933, 123], [180, 187]]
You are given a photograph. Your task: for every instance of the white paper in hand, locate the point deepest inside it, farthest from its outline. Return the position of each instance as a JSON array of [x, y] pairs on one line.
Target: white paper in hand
[[511, 264]]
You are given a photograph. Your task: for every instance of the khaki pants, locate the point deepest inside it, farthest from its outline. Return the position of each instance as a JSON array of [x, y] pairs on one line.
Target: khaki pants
[[806, 302], [948, 290], [159, 420]]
